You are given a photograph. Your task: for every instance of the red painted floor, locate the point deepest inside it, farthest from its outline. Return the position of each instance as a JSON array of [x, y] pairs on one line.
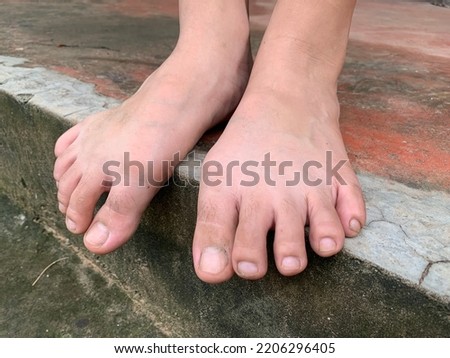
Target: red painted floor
[[394, 89]]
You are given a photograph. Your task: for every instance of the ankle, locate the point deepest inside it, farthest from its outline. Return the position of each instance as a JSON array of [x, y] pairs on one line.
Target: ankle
[[317, 104], [222, 24], [227, 50], [293, 89]]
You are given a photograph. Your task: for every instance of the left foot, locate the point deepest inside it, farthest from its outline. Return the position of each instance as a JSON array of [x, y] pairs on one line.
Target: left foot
[[289, 112], [235, 215]]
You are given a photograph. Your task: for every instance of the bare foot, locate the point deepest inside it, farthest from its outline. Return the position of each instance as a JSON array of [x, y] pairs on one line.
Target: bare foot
[[200, 84], [282, 158], [315, 186]]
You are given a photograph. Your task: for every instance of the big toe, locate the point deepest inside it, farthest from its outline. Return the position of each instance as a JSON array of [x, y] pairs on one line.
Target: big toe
[[214, 235], [117, 219]]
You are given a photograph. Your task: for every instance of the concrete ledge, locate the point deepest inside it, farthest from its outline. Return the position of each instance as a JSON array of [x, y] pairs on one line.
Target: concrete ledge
[[407, 237], [407, 234], [71, 299]]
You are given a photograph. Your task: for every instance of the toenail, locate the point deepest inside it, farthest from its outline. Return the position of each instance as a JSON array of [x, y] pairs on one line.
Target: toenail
[[246, 268], [213, 260], [71, 225], [355, 225], [61, 207], [291, 263], [97, 235], [327, 245]]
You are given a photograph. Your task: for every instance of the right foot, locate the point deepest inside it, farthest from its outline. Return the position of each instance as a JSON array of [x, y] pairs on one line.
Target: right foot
[[191, 92]]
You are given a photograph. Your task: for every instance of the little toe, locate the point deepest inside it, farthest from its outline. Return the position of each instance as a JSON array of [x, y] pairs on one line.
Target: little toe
[[63, 163], [250, 243], [214, 235], [289, 244], [66, 139], [351, 208], [326, 234]]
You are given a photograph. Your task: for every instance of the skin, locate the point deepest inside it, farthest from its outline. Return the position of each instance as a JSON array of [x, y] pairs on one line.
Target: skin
[[205, 67], [289, 109]]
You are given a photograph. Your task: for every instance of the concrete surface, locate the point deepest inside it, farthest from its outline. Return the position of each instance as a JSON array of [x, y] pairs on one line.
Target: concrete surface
[[356, 299], [72, 299], [395, 80], [399, 237], [85, 296], [395, 121]]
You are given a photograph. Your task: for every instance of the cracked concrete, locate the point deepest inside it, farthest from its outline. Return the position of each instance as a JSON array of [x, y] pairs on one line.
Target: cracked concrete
[[437, 275], [51, 91], [407, 234]]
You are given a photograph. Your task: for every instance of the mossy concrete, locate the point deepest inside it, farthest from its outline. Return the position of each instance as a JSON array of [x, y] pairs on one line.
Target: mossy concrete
[[337, 297], [71, 298]]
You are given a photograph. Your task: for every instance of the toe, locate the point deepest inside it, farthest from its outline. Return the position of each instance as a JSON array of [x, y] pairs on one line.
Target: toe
[[67, 185], [66, 140], [250, 243], [351, 208], [326, 234], [118, 218], [289, 244], [63, 163], [214, 235], [82, 203]]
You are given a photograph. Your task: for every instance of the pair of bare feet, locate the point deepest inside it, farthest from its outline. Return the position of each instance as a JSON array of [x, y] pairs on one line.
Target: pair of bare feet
[[285, 105]]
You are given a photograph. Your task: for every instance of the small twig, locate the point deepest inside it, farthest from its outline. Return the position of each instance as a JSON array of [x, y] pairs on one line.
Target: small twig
[[54, 262]]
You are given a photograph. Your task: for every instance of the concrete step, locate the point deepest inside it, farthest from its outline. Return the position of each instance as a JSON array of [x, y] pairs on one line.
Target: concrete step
[[391, 281], [72, 298]]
